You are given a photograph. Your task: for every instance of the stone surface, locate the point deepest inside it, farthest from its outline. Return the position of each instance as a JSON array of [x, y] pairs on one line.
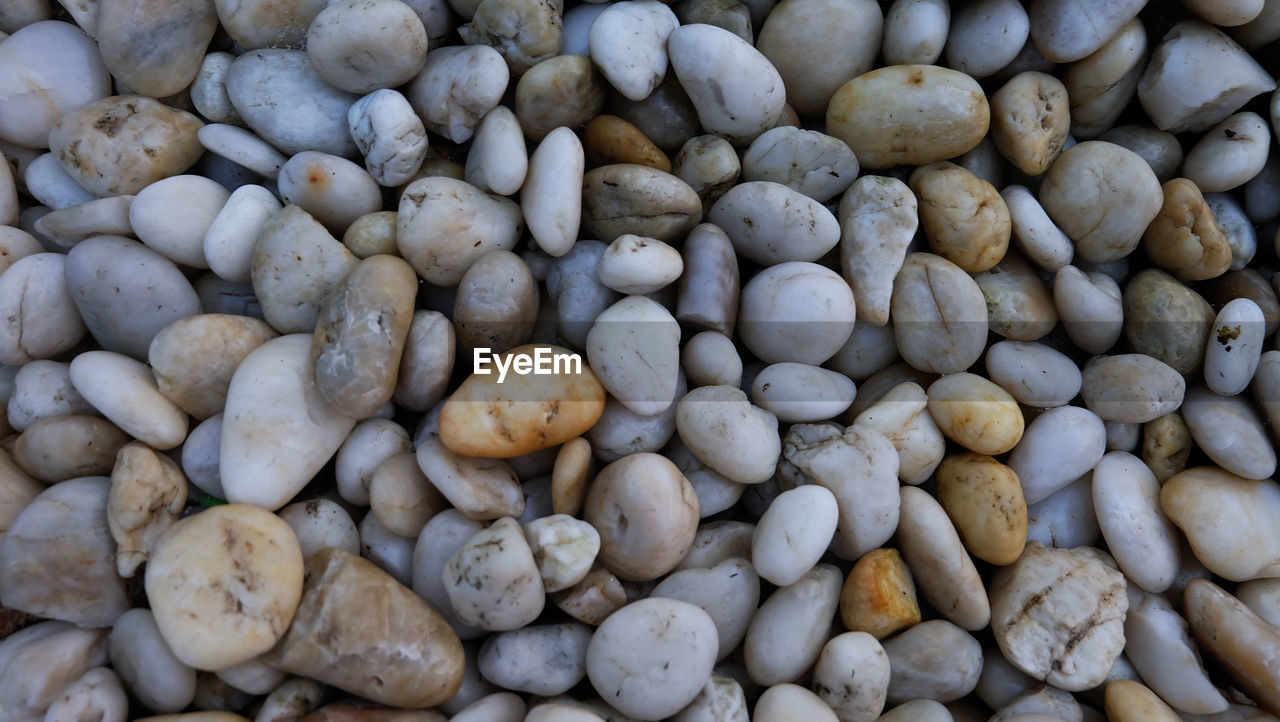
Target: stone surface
[[155, 48]]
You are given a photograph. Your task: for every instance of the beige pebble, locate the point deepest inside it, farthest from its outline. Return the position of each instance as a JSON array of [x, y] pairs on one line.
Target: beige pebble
[[1239, 638], [985, 502], [478, 487], [963, 216], [147, 495], [1103, 83], [975, 413], [942, 568], [194, 358], [492, 580], [660, 509], [401, 497], [1030, 119], [878, 596], [1165, 319], [1197, 501], [1184, 238], [44, 448], [940, 315]]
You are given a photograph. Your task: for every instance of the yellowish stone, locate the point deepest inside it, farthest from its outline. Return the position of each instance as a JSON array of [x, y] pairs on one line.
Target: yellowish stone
[[984, 500], [878, 596]]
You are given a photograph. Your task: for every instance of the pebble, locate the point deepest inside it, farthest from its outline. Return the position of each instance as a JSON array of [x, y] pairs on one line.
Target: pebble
[[147, 494], [909, 115], [735, 89], [51, 69], [1240, 639], [806, 161], [41, 316], [45, 448], [43, 389], [793, 533], [975, 413], [317, 524], [481, 488], [551, 198], [261, 23], [363, 45], [498, 161], [1033, 373], [902, 416], [940, 315], [1183, 238], [628, 43], [125, 391], [492, 580], [608, 139], [348, 632], [284, 100], [785, 702], [1158, 148], [566, 90], [1230, 154], [477, 223], [720, 699], [879, 596], [104, 216], [915, 31], [727, 433], [209, 89], [802, 393], [1166, 320], [218, 605], [1159, 646], [155, 212], [45, 660], [621, 198], [144, 662], [932, 660], [193, 359], [543, 660], [818, 45], [1195, 499], [661, 510], [709, 164], [1130, 700], [1077, 193], [1229, 430], [944, 572], [1064, 32], [57, 558], [635, 266], [878, 219], [986, 36], [524, 34], [789, 630], [984, 501], [122, 144], [757, 214], [273, 400], [1144, 543], [1131, 388], [1057, 447], [1030, 119], [457, 87], [155, 48], [1235, 347]]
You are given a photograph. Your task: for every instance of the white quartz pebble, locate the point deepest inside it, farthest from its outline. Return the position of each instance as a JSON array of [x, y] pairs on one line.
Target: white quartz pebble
[[628, 43], [796, 392], [791, 627], [551, 198], [787, 702], [796, 311], [1064, 31], [637, 265], [1229, 430], [173, 216], [283, 99], [49, 183], [232, 236], [1065, 518], [147, 666], [728, 591], [492, 580], [320, 523], [543, 659], [736, 90], [812, 163], [125, 391], [758, 215], [652, 657], [445, 534], [986, 35], [1042, 242], [634, 349], [793, 533], [1131, 388], [942, 567], [730, 435], [1143, 541], [39, 310], [243, 148], [1229, 154], [933, 660], [1058, 446], [331, 189], [1033, 373], [564, 549], [389, 135], [1161, 650], [363, 45], [915, 31], [1235, 347], [48, 69], [498, 161], [457, 87], [709, 358]]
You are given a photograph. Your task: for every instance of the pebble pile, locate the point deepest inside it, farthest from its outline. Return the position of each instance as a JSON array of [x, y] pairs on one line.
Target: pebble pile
[[702, 361]]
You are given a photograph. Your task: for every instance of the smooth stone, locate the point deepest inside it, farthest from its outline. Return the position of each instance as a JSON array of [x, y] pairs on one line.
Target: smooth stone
[[932, 660], [172, 216], [818, 45], [947, 111], [551, 198], [878, 596], [1066, 518], [243, 148], [43, 389], [975, 413], [364, 45], [728, 591], [759, 215], [1126, 497], [39, 662], [984, 501], [41, 319], [921, 710], [915, 31], [317, 523], [577, 28], [475, 223], [492, 580], [481, 488], [1166, 445], [628, 43], [296, 264], [727, 433], [852, 676], [230, 240], [721, 698], [127, 292], [1035, 374], [633, 348], [101, 217], [427, 362], [349, 632], [785, 702], [1196, 500], [523, 33], [144, 662], [902, 415], [444, 534], [608, 139], [944, 573], [1034, 233], [284, 100], [148, 493], [796, 311], [155, 47], [1241, 640], [220, 604], [57, 558], [1020, 306], [1234, 223], [802, 393], [209, 89], [1235, 347], [717, 542], [709, 164], [68, 447], [457, 87], [1166, 320], [51, 68], [878, 219], [635, 266], [564, 549], [122, 144], [661, 510], [390, 551], [1058, 447], [360, 335], [1064, 31], [485, 418], [496, 305], [1159, 646], [1230, 154], [332, 190], [793, 533], [1160, 149], [564, 91], [1058, 615], [940, 315], [371, 234], [788, 632], [1090, 306], [621, 198], [1102, 196], [1229, 430], [1131, 388], [194, 358], [264, 23], [629, 642], [544, 659], [273, 401], [986, 36], [1030, 121], [1130, 700], [735, 89]]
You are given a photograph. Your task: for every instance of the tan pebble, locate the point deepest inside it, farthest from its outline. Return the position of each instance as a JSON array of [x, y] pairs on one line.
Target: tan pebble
[[66, 447], [524, 413], [570, 476], [194, 358], [591, 600], [1184, 238], [878, 596], [609, 139], [1245, 644], [1030, 119], [976, 413], [1130, 701], [985, 502], [1019, 305], [623, 198], [565, 90], [371, 234], [1166, 445], [1232, 523], [148, 492]]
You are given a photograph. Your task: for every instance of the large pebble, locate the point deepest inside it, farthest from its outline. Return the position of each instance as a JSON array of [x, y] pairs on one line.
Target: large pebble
[[194, 358], [1126, 497], [802, 393], [296, 263], [915, 31], [634, 349], [793, 533], [364, 45], [1103, 196], [173, 215], [542, 660], [1090, 306], [390, 136], [473, 223], [230, 239], [1235, 347], [524, 413], [902, 415], [975, 413], [1064, 31], [728, 434], [796, 311], [50, 68], [628, 43], [349, 631], [566, 90], [57, 557], [735, 89], [523, 33], [122, 144], [878, 596], [478, 487], [457, 87], [125, 391], [1058, 446], [986, 36], [284, 100], [1166, 320], [878, 219], [551, 198], [624, 198], [149, 670], [728, 591], [41, 319], [1199, 499], [852, 676], [67, 447], [263, 23], [333, 190], [492, 580], [646, 513], [1183, 238], [1159, 647], [944, 572], [1131, 388], [812, 163], [909, 115], [1035, 374], [786, 702], [127, 292], [153, 47], [770, 223], [984, 501], [273, 402], [1244, 642], [962, 215], [940, 315], [1058, 615], [787, 634], [224, 584], [652, 657], [933, 660], [818, 45]]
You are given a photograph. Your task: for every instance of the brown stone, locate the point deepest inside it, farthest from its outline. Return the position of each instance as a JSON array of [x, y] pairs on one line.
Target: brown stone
[[609, 139], [1166, 445], [361, 631], [1184, 238], [1246, 283], [1245, 644], [878, 596], [624, 198], [963, 216]]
